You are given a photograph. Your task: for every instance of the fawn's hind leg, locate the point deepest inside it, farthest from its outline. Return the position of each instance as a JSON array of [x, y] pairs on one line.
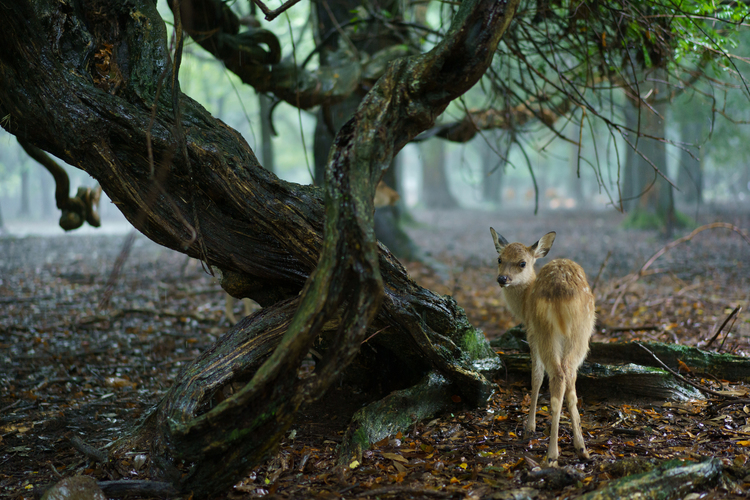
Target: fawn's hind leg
[[557, 384], [537, 376], [575, 419]]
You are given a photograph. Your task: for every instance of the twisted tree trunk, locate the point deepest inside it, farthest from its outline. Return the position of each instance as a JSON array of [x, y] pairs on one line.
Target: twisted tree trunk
[[93, 83]]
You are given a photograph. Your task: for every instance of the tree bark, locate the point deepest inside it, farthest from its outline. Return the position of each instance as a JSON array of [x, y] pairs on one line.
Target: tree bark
[[94, 84]]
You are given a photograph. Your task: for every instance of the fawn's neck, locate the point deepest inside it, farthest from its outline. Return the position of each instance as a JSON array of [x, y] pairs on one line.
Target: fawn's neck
[[517, 297]]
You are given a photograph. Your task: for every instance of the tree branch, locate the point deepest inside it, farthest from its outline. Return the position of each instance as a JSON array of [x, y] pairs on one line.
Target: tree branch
[[273, 14]]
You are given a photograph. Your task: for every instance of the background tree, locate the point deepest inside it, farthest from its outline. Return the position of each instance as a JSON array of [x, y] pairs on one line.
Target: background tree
[[435, 190], [649, 194], [493, 167]]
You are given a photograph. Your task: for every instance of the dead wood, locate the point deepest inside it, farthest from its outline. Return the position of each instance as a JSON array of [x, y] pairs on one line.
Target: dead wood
[[124, 488], [554, 478], [674, 373], [399, 491], [614, 382], [114, 489], [673, 479], [91, 452], [636, 370], [722, 366]]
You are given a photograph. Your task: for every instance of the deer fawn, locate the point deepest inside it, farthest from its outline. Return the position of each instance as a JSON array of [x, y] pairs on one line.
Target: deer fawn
[[557, 308]]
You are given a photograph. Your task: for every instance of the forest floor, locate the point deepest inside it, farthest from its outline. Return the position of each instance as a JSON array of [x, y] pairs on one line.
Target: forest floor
[[83, 358]]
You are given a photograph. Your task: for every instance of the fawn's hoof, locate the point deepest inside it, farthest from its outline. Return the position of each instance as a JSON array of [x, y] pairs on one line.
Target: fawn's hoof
[[583, 454], [547, 462]]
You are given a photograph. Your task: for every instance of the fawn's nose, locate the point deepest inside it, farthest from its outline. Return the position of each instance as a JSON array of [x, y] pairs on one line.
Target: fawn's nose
[[503, 280]]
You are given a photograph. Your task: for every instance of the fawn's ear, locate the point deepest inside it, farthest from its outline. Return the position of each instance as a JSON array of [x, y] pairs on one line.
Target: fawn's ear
[[541, 247], [500, 242]]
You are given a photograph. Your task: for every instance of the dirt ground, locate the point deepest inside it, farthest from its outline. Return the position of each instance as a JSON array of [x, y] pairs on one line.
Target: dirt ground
[[72, 366]]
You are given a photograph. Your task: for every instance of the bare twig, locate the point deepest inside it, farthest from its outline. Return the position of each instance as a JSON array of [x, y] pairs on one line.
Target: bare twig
[[54, 470], [635, 276], [117, 269], [637, 328], [601, 268], [273, 14], [10, 406], [18, 300], [93, 453], [697, 386], [735, 402], [371, 336], [718, 332], [400, 491], [728, 332]]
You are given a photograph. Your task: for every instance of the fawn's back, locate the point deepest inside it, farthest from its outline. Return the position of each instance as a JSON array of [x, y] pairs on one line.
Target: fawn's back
[[560, 313]]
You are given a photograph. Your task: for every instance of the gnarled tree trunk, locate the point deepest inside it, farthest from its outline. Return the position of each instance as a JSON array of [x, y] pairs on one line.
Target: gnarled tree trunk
[[93, 83]]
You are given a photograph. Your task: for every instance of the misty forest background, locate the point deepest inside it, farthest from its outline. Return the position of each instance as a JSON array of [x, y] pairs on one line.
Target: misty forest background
[[705, 152]]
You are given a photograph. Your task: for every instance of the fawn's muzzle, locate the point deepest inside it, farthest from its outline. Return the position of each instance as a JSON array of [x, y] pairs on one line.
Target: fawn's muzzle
[[503, 280]]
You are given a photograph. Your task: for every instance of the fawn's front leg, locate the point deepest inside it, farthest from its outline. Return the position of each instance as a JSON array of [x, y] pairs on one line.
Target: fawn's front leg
[[537, 376]]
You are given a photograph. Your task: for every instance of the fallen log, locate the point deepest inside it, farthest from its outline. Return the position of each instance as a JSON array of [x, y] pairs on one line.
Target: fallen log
[[722, 366], [673, 479], [629, 381], [627, 370]]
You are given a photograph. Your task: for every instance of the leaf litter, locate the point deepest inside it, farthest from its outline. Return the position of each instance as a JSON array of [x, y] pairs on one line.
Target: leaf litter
[[72, 369]]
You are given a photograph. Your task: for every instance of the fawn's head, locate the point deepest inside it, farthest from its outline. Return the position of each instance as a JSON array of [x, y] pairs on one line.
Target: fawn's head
[[515, 261]]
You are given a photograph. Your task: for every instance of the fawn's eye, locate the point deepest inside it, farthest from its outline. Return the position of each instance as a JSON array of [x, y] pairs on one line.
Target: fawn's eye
[[522, 264], [499, 260]]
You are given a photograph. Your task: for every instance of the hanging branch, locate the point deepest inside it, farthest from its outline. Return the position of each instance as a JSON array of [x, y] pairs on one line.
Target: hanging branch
[[83, 207]]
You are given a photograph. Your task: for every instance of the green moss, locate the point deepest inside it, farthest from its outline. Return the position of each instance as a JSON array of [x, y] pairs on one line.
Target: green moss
[[477, 352], [469, 338], [684, 220], [361, 439], [238, 434], [396, 412], [673, 479]]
